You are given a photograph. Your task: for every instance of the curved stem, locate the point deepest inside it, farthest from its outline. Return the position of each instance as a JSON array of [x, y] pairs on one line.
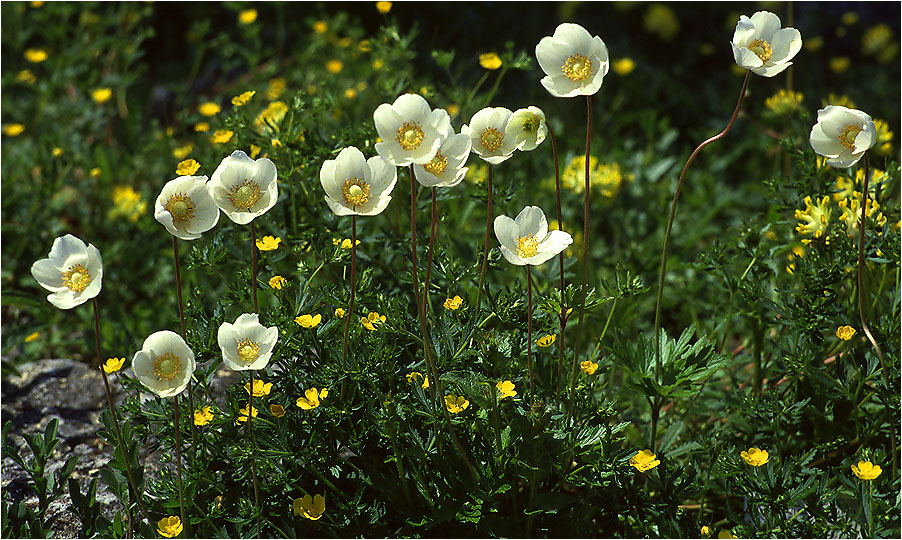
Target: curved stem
[[861, 226], [254, 265], [485, 243], [560, 226]]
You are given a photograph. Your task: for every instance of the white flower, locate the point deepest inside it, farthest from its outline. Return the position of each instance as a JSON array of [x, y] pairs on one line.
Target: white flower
[[355, 185], [185, 207], [409, 129], [527, 240], [761, 46], [842, 135], [164, 364], [573, 60], [247, 344], [446, 168], [73, 272], [244, 188], [527, 128], [487, 134]]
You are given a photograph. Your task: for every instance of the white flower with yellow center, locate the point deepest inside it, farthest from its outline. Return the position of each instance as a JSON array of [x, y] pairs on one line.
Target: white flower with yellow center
[[527, 128], [409, 129], [355, 185], [185, 207], [247, 344], [487, 132], [244, 188], [73, 272], [446, 168], [164, 364], [527, 240], [842, 135], [574, 61], [759, 44]]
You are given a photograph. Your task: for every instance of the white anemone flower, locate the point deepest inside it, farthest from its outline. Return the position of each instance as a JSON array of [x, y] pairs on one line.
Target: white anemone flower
[[355, 185], [247, 344], [73, 272], [527, 240], [574, 61], [446, 168], [409, 129], [186, 208], [164, 364], [842, 135], [244, 188], [487, 130], [761, 46], [527, 128]]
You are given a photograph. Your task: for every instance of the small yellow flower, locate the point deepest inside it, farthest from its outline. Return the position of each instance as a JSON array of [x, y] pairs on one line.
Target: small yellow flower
[[660, 19], [415, 376], [884, 138], [310, 508], [187, 167], [383, 7], [365, 46], [370, 321], [36, 3], [334, 66], [588, 367], [754, 456], [182, 151], [378, 63], [57, 151], [726, 535], [845, 333], [506, 388], [706, 531], [26, 76], [95, 172], [277, 410], [547, 340], [490, 60], [453, 110], [112, 365], [276, 143], [255, 150], [784, 102], [311, 399], [849, 18], [244, 97], [209, 108], [13, 130], [814, 219], [624, 66], [33, 336], [170, 527], [35, 56], [261, 388], [271, 117], [876, 38], [814, 43], [339, 313], [840, 64], [243, 414], [644, 461], [320, 27], [346, 243], [128, 203], [453, 304], [865, 470], [248, 16], [221, 136], [101, 95], [203, 416], [277, 282], [308, 321], [268, 243], [202, 127], [350, 93], [456, 404]]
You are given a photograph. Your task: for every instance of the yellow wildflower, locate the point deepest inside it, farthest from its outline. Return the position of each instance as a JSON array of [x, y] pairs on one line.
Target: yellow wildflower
[[547, 340], [415, 376], [346, 243], [490, 61], [187, 167], [243, 97], [209, 108], [623, 66], [884, 144], [814, 219], [35, 56], [272, 115], [453, 304], [221, 136], [57, 151], [308, 321], [344, 42], [334, 66], [706, 531], [851, 213], [845, 333], [320, 27], [840, 64], [128, 203], [95, 172], [383, 7], [350, 93], [784, 102], [311, 399], [865, 470], [277, 282], [506, 388], [182, 151], [661, 20], [243, 414], [170, 527], [878, 40], [261, 388], [814, 44], [453, 110], [36, 3], [644, 461], [203, 416], [378, 63], [604, 178], [112, 365], [276, 143], [247, 16], [836, 99], [34, 336], [26, 76], [268, 243], [797, 251], [13, 130], [310, 508], [370, 321], [277, 410], [849, 18], [101, 95], [754, 456], [255, 150], [725, 534], [275, 87], [456, 404], [339, 313], [588, 367]]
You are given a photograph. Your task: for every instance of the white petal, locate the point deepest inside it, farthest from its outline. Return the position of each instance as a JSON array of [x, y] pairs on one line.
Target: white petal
[[551, 55], [770, 71], [412, 107], [560, 86], [329, 181], [864, 141], [787, 43], [744, 33], [65, 299], [383, 176], [506, 231], [575, 36], [47, 275], [746, 58], [338, 208], [381, 204], [531, 220], [511, 256], [823, 145], [766, 25], [64, 248]]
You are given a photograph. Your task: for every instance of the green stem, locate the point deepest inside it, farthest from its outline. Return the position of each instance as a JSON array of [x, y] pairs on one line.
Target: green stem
[[560, 226], [529, 332], [178, 459], [485, 243]]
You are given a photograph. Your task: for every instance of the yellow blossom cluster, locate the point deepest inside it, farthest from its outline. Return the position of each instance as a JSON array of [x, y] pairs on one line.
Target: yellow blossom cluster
[[814, 219], [372, 320], [785, 102], [604, 179], [415, 377], [345, 243], [272, 115], [547, 340], [127, 203], [187, 167], [203, 416]]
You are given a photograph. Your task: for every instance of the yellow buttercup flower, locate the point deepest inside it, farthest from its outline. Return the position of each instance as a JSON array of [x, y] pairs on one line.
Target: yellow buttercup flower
[[661, 20], [814, 43], [272, 115], [624, 66], [261, 388], [879, 40], [456, 404], [644, 461], [490, 61], [277, 282], [372, 320], [453, 304], [111, 365], [243, 414], [784, 102], [202, 127], [269, 243], [182, 151], [311, 399], [346, 243], [57, 151], [547, 340], [383, 7], [170, 527], [339, 313], [334, 66], [308, 321], [128, 203], [276, 143], [13, 130], [277, 410], [35, 56], [243, 98], [840, 64], [26, 76], [845, 333], [588, 367], [222, 136], [187, 167], [320, 27], [350, 93], [101, 95], [865, 470], [311, 508], [706, 531], [453, 110], [95, 172], [506, 388], [203, 416], [378, 63], [247, 16], [754, 456], [415, 376], [884, 144], [209, 109], [32, 337], [726, 535]]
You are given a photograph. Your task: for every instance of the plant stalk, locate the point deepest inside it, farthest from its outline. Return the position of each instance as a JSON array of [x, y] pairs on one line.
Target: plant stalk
[[485, 243], [178, 288], [529, 331], [431, 249], [254, 265], [560, 226], [178, 459]]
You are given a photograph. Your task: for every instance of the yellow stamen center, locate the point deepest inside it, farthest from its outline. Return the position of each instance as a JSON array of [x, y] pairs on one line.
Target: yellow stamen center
[[491, 139], [410, 135], [167, 366], [356, 191], [76, 278], [437, 166], [531, 125], [762, 49], [527, 246], [245, 195], [248, 350], [847, 136], [180, 206], [577, 67]]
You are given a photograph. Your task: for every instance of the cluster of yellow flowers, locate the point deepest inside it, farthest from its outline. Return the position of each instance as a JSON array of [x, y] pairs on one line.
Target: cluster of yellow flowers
[[372, 320], [784, 102], [127, 203], [814, 220], [604, 179]]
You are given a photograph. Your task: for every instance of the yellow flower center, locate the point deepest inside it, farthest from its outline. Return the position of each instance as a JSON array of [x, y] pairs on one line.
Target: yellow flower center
[[531, 125], [762, 49], [248, 350], [577, 67], [245, 195], [491, 139], [180, 206], [410, 135], [437, 166], [847, 136], [167, 366], [76, 278], [356, 191], [527, 246]]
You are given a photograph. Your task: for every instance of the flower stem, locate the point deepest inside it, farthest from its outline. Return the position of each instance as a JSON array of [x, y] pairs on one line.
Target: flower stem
[[560, 226], [109, 399], [250, 431], [676, 196], [178, 289], [344, 341], [485, 244], [254, 265], [431, 250], [864, 323], [178, 460], [529, 330]]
